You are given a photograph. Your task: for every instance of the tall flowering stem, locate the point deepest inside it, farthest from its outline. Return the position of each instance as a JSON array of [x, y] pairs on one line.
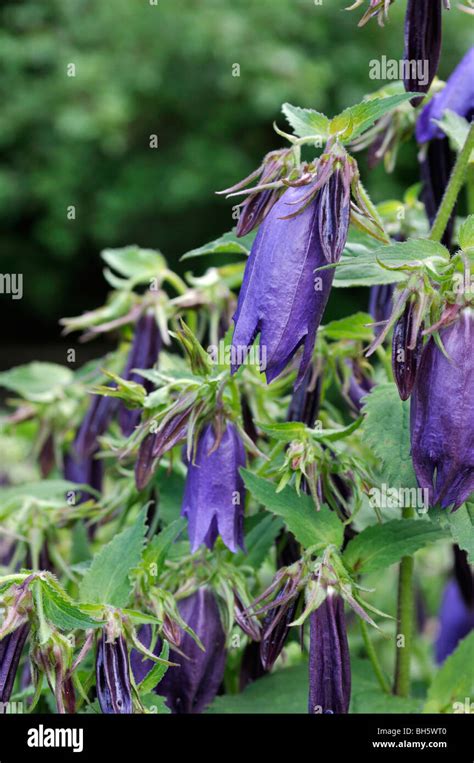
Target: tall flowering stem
[[452, 189], [405, 619]]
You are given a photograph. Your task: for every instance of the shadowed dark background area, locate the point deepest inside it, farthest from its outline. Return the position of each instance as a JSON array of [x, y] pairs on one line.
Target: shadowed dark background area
[[162, 69]]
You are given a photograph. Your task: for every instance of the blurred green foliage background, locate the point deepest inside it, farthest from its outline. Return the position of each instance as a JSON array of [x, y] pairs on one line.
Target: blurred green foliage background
[[166, 69]]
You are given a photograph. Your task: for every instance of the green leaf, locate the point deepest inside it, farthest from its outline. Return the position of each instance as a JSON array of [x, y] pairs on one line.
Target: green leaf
[[466, 233], [363, 115], [455, 127], [170, 489], [37, 382], [309, 526], [63, 611], [453, 684], [157, 672], [460, 524], [379, 546], [135, 264], [107, 579], [228, 243], [352, 327], [368, 697], [259, 540], [284, 691], [157, 550], [306, 122], [387, 430], [359, 266]]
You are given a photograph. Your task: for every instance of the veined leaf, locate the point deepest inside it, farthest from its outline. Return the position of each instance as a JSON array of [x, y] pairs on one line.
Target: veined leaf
[[306, 122], [38, 382], [453, 684], [107, 579], [309, 526], [228, 243], [379, 546]]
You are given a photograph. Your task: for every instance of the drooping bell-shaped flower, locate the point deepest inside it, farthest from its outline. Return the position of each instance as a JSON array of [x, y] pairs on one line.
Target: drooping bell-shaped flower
[[276, 627], [457, 95], [456, 620], [329, 659], [143, 354], [407, 344], [114, 691], [191, 686], [11, 647], [214, 494], [423, 31], [84, 471], [282, 298], [442, 415]]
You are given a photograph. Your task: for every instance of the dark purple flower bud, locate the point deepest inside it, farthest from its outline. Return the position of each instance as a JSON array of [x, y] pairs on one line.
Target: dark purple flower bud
[[456, 620], [46, 458], [84, 471], [423, 31], [94, 424], [145, 463], [464, 574], [143, 354], [407, 345], [114, 690], [457, 96], [329, 659], [304, 405], [11, 647], [282, 298], [214, 494], [435, 171], [251, 668], [380, 303], [190, 687], [333, 215], [276, 626], [442, 415]]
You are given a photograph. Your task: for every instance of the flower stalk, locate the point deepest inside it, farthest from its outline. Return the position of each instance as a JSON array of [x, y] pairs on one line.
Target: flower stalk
[[452, 190]]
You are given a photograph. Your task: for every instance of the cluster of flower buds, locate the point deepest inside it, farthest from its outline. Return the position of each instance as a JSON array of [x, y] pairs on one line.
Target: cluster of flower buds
[[276, 167], [442, 425]]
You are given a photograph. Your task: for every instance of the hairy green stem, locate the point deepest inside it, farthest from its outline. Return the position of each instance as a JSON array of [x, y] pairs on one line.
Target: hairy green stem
[[451, 193], [372, 655], [405, 619]]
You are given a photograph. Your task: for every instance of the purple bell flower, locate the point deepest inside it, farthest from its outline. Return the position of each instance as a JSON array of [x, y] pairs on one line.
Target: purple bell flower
[[329, 659], [214, 494], [113, 675], [11, 647], [143, 353], [282, 298], [456, 620], [94, 424], [442, 415], [192, 686], [457, 95], [84, 471], [423, 32]]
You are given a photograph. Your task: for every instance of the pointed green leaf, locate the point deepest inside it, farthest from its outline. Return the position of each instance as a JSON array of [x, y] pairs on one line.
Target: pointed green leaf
[[306, 122]]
